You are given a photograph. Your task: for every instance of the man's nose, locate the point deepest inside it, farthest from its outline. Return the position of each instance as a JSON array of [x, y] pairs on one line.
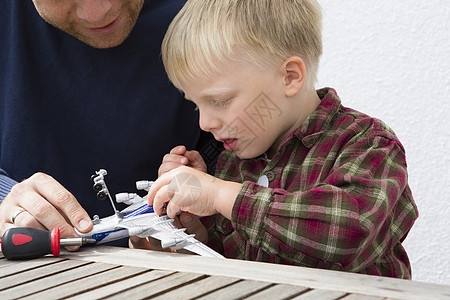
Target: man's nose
[[93, 11]]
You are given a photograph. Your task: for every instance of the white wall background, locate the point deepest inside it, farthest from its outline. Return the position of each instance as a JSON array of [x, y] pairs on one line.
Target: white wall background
[[391, 60]]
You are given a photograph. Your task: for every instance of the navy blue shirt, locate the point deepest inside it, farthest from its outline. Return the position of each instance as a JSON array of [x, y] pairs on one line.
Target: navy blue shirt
[[68, 109]]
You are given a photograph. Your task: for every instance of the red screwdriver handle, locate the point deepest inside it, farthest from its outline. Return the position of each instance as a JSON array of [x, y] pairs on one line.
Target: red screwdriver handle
[[26, 243]]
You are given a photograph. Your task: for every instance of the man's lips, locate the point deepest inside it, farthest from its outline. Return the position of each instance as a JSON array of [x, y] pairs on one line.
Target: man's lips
[[106, 29]]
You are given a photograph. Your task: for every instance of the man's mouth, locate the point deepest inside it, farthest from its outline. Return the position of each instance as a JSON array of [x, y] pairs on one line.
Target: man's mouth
[[107, 28]]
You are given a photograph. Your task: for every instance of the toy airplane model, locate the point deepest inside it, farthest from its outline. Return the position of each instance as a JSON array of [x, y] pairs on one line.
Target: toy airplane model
[[138, 219]]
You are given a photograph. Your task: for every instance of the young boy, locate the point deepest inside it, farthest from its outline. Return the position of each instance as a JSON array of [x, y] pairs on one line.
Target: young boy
[[303, 180]]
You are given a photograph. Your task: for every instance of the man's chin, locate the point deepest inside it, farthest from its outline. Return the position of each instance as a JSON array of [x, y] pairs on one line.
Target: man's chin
[[99, 41], [102, 43]]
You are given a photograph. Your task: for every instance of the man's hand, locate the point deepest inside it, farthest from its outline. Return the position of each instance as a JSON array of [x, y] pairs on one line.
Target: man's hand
[[178, 157], [186, 220], [43, 203]]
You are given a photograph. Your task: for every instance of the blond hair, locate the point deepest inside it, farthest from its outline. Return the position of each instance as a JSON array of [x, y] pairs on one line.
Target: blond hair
[[266, 32]]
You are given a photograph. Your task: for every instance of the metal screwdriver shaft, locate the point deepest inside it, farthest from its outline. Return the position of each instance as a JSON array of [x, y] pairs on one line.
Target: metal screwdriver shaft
[[75, 241]]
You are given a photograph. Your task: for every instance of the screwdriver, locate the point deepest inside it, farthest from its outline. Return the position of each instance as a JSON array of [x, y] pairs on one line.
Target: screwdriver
[[26, 243]]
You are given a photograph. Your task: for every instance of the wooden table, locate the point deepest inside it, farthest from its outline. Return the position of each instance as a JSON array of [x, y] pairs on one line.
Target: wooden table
[[102, 271]]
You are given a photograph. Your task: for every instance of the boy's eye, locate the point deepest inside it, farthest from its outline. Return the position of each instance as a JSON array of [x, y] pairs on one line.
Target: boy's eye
[[222, 103]]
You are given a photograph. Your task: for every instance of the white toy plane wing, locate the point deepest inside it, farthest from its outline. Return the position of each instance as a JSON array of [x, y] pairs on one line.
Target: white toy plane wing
[[162, 228]]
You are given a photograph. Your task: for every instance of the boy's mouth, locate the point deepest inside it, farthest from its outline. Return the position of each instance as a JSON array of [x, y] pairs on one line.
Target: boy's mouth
[[229, 144]]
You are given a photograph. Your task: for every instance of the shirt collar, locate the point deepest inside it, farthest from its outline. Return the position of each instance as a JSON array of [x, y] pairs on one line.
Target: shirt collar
[[319, 121]]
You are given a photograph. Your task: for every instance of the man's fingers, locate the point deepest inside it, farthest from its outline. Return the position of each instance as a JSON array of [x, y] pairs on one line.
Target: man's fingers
[[25, 219], [38, 212], [62, 200], [47, 204], [41, 213], [5, 227]]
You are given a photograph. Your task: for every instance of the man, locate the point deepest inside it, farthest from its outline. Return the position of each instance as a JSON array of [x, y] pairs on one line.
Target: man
[[82, 87]]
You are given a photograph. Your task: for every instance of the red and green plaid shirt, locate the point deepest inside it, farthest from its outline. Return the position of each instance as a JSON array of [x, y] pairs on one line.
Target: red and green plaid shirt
[[338, 197]]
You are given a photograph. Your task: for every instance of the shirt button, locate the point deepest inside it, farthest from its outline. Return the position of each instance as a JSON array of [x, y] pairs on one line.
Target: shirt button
[[270, 175], [226, 228]]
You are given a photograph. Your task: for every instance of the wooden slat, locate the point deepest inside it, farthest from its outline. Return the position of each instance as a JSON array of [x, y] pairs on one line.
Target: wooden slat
[[156, 287], [123, 285], [88, 283], [15, 284], [57, 280], [320, 294], [279, 291], [198, 288], [238, 290], [307, 277], [11, 267], [362, 297], [6, 262]]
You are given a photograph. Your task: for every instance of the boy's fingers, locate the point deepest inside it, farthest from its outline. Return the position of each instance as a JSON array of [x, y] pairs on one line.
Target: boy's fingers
[[172, 210], [175, 158], [161, 198], [193, 155], [172, 161], [195, 160], [163, 180], [193, 225], [180, 150], [148, 243], [169, 166], [139, 243], [177, 223]]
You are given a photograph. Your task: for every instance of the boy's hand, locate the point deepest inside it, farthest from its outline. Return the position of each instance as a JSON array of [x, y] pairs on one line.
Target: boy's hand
[[188, 189], [178, 157]]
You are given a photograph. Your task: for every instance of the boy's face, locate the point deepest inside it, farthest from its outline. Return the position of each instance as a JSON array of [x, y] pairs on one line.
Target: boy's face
[[244, 106], [98, 23]]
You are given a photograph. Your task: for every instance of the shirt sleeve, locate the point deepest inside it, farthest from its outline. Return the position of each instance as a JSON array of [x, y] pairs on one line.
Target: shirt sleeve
[[359, 209], [6, 184], [214, 236]]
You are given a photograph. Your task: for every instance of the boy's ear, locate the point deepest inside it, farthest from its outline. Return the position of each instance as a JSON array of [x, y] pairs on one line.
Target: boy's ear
[[294, 72]]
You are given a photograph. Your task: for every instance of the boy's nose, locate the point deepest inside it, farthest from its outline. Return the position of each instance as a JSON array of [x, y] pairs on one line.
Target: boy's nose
[[208, 122], [93, 11]]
